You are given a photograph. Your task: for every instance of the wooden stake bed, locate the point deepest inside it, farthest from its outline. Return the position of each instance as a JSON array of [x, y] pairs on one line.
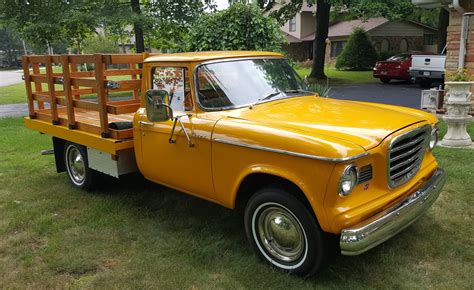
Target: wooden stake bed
[[68, 101]]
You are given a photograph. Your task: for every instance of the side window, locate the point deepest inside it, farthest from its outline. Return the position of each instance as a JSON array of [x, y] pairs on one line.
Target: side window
[[174, 80]]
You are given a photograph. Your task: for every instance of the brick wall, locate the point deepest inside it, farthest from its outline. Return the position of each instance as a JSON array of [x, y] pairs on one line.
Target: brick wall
[[453, 41]]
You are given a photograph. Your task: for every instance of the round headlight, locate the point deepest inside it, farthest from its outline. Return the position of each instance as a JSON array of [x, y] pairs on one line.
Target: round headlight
[[348, 180], [434, 138]]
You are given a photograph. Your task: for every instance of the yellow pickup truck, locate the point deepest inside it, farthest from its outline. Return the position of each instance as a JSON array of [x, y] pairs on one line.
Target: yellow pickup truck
[[239, 129]]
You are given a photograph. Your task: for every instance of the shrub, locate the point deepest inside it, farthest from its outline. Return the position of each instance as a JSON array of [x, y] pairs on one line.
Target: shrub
[[358, 54], [240, 27], [99, 44]]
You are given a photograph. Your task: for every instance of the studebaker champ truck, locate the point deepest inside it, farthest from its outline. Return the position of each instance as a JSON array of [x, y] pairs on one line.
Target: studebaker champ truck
[[239, 129]]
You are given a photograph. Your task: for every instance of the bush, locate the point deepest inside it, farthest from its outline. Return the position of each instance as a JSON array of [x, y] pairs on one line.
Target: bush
[[240, 27], [358, 54], [99, 44]]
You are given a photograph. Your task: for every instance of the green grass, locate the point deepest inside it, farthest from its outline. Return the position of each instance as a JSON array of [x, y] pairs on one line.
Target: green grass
[[337, 77], [135, 234]]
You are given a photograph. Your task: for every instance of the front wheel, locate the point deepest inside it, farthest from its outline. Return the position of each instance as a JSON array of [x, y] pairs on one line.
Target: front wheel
[[284, 233], [77, 167]]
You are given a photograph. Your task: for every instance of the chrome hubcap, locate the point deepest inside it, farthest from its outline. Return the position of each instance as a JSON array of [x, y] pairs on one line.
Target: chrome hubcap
[[281, 234], [76, 165]]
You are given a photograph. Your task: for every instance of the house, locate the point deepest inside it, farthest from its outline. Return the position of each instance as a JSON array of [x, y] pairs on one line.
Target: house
[[387, 36]]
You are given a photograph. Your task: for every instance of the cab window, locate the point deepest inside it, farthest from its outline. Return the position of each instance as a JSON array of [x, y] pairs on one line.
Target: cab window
[[174, 80]]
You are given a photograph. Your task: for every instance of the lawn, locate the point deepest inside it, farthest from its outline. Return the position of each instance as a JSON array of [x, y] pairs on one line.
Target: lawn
[[135, 234]]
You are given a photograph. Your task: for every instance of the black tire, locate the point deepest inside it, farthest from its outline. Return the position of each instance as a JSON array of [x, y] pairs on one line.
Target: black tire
[[385, 80], [301, 229], [77, 167]]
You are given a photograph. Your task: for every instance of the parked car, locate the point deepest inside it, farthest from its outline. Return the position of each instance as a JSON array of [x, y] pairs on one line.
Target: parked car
[[237, 128], [393, 68], [426, 69]]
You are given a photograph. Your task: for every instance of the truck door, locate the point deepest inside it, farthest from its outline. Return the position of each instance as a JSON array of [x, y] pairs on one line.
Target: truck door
[[178, 161]]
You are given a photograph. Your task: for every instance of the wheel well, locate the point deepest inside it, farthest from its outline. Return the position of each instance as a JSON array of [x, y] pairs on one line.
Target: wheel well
[[256, 181]]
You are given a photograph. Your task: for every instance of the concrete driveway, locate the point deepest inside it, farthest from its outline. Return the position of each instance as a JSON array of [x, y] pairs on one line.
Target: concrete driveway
[[401, 94], [10, 77]]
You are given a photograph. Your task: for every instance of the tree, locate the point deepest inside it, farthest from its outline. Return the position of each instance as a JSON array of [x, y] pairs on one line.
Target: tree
[[358, 54], [240, 27], [443, 23], [391, 9]]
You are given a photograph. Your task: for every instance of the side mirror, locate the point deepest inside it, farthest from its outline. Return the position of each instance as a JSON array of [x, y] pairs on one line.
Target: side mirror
[[157, 106]]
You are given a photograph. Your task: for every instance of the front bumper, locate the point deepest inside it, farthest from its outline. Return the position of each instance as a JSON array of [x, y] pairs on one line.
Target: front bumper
[[384, 225]]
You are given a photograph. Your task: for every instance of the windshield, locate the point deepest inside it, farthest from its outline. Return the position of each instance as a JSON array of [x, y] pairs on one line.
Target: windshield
[[399, 57], [232, 84]]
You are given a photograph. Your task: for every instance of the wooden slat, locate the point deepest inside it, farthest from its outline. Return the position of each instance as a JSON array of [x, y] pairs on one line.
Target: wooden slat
[[134, 77], [52, 91], [122, 58], [122, 109], [75, 87], [128, 85], [83, 92], [83, 82], [84, 58], [37, 78], [41, 98], [36, 59], [122, 72], [82, 74], [101, 96], [38, 85], [121, 134], [68, 92], [82, 104], [29, 92]]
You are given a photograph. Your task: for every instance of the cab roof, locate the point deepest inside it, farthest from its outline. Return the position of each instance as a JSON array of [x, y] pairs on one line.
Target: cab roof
[[201, 56]]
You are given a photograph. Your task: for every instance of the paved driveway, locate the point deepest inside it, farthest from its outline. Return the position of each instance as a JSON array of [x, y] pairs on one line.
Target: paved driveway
[[396, 93], [401, 94], [10, 77]]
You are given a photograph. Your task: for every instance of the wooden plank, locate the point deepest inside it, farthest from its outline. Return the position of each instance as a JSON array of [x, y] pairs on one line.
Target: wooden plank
[[82, 104], [52, 91], [83, 92], [101, 95], [36, 59], [123, 72], [82, 74], [29, 92], [122, 58], [128, 85], [81, 58], [122, 109], [38, 85], [134, 77], [75, 87], [71, 120], [121, 134], [41, 97], [83, 82], [37, 78]]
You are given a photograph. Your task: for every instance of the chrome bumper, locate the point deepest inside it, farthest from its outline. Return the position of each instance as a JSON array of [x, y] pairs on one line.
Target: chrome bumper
[[384, 225]]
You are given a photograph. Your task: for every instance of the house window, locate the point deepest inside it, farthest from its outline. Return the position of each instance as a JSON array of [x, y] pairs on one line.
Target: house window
[[429, 39], [385, 46], [403, 45], [293, 24], [337, 47]]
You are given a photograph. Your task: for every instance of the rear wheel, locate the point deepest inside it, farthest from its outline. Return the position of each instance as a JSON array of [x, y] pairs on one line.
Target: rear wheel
[[77, 167], [284, 233], [385, 80]]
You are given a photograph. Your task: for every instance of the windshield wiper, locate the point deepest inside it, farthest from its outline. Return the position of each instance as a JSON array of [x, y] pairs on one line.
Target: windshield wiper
[[298, 91], [272, 95]]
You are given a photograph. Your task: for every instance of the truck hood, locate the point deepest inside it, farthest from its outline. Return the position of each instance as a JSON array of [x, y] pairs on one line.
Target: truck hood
[[365, 124]]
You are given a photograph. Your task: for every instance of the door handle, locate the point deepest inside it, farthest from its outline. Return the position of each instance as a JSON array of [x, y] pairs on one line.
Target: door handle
[[145, 123]]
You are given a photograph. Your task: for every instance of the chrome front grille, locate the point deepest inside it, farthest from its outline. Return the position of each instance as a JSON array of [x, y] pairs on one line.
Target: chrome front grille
[[405, 155]]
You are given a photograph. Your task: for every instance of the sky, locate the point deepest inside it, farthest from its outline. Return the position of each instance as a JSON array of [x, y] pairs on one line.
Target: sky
[[222, 4]]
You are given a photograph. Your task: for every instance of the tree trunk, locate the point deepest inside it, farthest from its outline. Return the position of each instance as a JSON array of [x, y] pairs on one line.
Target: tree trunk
[[319, 46], [443, 22], [137, 27]]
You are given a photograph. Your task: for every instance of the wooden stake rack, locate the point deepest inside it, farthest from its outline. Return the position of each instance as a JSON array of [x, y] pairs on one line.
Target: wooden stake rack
[[67, 105]]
